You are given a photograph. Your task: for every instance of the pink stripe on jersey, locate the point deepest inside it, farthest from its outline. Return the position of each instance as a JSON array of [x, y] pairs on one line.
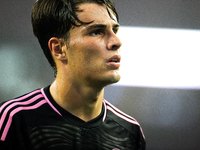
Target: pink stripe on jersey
[[127, 119], [14, 112], [123, 117], [119, 111], [19, 99], [105, 112], [15, 104], [42, 90]]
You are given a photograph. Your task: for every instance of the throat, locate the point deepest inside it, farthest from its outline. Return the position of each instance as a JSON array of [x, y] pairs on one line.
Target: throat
[[88, 112], [85, 104]]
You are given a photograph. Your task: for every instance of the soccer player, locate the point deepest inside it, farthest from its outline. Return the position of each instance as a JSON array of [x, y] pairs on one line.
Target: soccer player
[[79, 39]]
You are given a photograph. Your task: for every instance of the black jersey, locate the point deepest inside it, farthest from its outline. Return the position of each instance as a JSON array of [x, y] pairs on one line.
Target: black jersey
[[36, 122]]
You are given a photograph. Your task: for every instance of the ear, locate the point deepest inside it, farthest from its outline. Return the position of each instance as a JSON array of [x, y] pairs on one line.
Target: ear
[[57, 48]]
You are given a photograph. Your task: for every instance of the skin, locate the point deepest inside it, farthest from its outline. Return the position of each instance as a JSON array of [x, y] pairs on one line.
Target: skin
[[82, 64]]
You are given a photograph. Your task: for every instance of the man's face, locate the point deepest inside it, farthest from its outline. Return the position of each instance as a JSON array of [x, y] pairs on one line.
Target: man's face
[[93, 51]]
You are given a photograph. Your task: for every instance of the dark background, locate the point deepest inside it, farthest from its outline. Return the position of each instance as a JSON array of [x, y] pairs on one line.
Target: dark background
[[170, 117]]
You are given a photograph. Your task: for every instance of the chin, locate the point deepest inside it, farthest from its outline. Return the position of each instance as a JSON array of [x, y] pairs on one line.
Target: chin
[[116, 80], [107, 79], [113, 79], [116, 76]]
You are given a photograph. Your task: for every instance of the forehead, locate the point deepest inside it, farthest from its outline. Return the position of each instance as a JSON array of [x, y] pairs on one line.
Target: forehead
[[95, 12]]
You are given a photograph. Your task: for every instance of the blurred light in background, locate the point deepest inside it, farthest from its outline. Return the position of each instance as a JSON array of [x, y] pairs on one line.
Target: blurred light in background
[[156, 57]]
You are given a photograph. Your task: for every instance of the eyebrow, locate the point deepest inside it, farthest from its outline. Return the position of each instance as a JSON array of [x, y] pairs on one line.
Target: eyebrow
[[102, 26]]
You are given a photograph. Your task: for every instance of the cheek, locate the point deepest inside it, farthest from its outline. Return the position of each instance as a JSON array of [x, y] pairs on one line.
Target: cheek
[[93, 55], [91, 49], [88, 52]]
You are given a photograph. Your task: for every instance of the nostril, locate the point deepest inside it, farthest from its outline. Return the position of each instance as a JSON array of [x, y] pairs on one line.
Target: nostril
[[115, 47]]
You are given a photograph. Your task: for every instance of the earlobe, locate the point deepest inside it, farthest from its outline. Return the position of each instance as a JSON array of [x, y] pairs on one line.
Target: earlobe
[[56, 47]]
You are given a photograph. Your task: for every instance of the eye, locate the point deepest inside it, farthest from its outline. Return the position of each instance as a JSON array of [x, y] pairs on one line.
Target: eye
[[115, 30], [96, 32]]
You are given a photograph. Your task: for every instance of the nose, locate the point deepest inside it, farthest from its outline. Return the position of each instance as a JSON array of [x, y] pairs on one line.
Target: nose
[[114, 43]]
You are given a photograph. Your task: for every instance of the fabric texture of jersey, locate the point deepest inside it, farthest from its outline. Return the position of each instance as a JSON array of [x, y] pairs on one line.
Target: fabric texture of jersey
[[35, 121]]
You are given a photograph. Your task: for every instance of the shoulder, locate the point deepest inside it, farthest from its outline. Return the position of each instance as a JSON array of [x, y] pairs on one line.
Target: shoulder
[[124, 120], [117, 113], [10, 109], [30, 100]]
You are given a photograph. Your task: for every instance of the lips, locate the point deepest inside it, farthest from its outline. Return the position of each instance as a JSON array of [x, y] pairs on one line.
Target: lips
[[115, 58], [114, 61]]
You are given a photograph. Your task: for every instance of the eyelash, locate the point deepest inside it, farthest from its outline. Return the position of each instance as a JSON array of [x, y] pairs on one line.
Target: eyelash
[[99, 31], [96, 32]]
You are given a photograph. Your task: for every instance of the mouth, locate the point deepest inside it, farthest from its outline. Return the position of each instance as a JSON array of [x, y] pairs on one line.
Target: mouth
[[114, 61]]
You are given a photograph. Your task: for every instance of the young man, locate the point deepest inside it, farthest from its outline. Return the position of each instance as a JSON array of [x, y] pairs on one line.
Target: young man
[[79, 40]]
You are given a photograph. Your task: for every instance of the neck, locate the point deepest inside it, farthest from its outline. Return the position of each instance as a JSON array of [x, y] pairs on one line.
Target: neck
[[81, 101]]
